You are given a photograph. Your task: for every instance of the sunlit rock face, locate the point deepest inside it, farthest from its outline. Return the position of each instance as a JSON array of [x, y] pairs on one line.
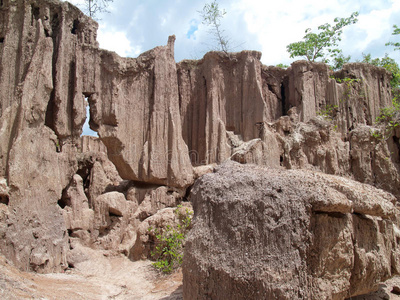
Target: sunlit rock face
[[262, 233], [161, 125]]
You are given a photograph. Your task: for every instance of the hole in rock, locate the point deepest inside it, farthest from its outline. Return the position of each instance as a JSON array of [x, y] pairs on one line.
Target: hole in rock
[[65, 200], [4, 199], [86, 130], [35, 13], [113, 213], [396, 141], [63, 203], [283, 95], [75, 25], [1, 3], [1, 40], [396, 290], [54, 23]]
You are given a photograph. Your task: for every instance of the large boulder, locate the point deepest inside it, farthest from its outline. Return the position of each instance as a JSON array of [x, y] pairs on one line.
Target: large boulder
[[264, 233]]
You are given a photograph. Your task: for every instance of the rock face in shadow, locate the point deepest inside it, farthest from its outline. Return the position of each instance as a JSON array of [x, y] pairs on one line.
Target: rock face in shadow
[[287, 234]]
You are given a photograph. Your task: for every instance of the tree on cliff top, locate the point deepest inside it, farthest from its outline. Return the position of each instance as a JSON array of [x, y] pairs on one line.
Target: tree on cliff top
[[93, 7], [212, 15], [315, 45]]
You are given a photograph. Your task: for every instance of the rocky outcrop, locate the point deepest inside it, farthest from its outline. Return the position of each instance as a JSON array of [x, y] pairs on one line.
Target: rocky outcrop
[[358, 92], [317, 145], [273, 234], [220, 93], [137, 114], [161, 125], [49, 63]]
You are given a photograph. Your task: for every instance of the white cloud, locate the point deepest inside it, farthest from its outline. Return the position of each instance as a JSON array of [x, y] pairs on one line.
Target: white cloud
[[279, 23], [268, 26], [117, 41], [374, 25]]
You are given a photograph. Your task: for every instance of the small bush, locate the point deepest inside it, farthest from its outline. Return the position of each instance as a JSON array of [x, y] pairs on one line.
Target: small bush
[[170, 242], [390, 117], [329, 112]]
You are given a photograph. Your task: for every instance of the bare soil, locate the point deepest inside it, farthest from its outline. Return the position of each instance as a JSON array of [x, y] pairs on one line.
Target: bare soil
[[103, 276], [113, 276]]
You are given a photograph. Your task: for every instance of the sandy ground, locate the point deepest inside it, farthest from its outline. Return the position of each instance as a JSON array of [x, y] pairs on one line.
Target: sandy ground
[[100, 277]]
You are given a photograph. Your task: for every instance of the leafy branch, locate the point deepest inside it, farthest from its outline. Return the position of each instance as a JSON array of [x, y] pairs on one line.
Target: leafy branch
[[314, 45], [396, 31]]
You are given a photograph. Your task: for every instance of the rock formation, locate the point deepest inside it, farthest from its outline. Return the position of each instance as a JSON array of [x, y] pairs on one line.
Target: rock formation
[[161, 126], [264, 233]]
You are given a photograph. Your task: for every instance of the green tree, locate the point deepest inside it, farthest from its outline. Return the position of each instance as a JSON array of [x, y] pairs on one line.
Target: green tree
[[93, 7], [339, 60], [396, 31], [324, 43], [212, 15]]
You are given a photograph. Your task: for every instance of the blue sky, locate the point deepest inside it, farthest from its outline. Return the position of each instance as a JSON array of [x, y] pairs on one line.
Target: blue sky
[[135, 26]]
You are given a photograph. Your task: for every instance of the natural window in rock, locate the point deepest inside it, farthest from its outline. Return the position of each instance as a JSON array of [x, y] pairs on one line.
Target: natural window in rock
[[1, 40], [86, 130]]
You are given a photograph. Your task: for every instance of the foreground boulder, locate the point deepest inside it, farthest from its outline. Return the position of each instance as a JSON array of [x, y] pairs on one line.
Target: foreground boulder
[[275, 234]]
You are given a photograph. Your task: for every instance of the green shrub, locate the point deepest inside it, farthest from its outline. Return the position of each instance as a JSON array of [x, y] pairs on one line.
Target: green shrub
[[170, 242], [282, 66], [390, 117], [329, 112]]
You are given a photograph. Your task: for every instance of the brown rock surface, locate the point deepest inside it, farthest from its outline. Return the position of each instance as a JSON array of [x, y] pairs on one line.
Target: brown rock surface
[[137, 114], [273, 234], [156, 119], [220, 93]]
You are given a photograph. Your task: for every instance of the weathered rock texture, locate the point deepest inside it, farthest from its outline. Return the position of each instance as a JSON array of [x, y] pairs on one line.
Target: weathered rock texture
[[49, 63], [288, 234], [140, 121], [160, 126]]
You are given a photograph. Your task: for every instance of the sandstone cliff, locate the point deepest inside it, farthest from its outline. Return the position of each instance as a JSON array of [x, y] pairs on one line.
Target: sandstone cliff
[[162, 124]]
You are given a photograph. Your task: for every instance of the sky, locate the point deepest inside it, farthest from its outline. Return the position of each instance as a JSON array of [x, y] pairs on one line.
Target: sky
[[134, 26]]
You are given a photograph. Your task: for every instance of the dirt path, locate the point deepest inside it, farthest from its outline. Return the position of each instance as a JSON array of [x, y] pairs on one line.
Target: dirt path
[[100, 277]]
